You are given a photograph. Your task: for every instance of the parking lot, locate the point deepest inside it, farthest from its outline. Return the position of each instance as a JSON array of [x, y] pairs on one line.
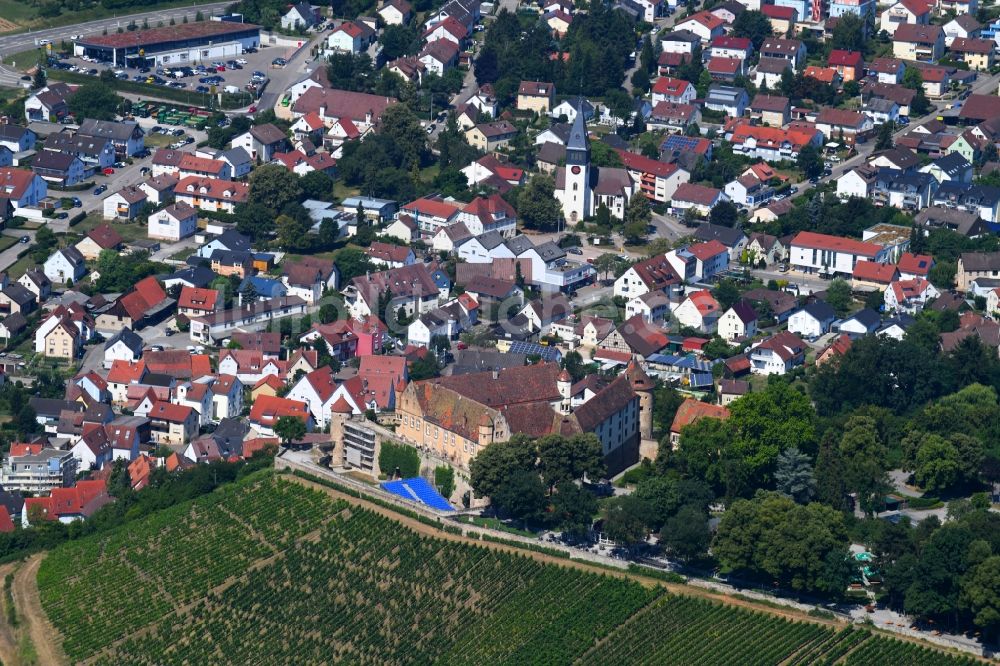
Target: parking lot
[[232, 75]]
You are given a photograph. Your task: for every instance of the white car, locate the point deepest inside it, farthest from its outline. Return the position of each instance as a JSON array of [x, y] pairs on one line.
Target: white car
[[44, 42], [242, 61], [75, 37]]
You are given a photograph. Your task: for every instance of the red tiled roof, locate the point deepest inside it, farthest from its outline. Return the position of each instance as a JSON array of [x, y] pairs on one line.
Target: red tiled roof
[[705, 251], [198, 298], [666, 85], [643, 164], [919, 34], [214, 188], [170, 412], [724, 65], [815, 241], [728, 42], [915, 264], [124, 372], [778, 12], [845, 58], [692, 410], [699, 194], [433, 207], [268, 409], [191, 162], [105, 237], [173, 33]]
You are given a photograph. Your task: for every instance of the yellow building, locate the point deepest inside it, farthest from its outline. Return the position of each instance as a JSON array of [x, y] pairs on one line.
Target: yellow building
[[455, 417], [537, 96], [491, 136], [63, 341]]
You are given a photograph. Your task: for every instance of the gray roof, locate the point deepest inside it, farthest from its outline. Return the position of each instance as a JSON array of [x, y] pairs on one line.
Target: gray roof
[[51, 407], [491, 239], [129, 338], [519, 245], [952, 164], [18, 294], [109, 129], [578, 134], [866, 317], [820, 311], [237, 156], [196, 276], [728, 236], [549, 251]]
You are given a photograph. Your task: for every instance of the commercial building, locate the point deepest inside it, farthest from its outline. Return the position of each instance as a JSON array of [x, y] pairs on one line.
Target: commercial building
[[172, 45]]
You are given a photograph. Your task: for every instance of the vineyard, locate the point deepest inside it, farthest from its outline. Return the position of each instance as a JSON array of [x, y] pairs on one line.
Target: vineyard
[[269, 571]]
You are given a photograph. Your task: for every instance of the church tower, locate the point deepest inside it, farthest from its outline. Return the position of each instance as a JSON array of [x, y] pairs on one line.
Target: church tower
[[577, 196]]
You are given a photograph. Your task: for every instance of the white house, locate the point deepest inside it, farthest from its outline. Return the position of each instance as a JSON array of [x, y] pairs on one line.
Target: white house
[[910, 296], [65, 264], [812, 321], [124, 204], [173, 223], [24, 188], [300, 16], [777, 355], [652, 306], [861, 323], [739, 322], [123, 346], [699, 311], [813, 252]]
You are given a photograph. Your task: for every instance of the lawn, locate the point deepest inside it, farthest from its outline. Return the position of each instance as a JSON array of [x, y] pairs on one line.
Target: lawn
[[22, 60], [6, 242], [128, 232], [159, 140], [19, 267]]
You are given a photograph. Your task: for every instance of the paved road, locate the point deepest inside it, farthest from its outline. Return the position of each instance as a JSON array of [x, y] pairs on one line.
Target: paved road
[[25, 41], [9, 256], [298, 66]]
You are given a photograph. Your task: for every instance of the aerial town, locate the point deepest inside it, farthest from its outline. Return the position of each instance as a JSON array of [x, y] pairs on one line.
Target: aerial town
[[634, 330]]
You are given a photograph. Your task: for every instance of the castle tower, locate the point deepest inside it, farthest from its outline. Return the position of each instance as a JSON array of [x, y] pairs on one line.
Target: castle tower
[[564, 384], [577, 197], [340, 411], [643, 387]]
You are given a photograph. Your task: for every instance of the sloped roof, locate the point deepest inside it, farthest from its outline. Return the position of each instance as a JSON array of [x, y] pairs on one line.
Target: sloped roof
[[692, 410]]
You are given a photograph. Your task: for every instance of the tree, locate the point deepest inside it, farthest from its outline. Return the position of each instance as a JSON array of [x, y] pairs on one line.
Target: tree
[[254, 220], [809, 161], [754, 26], [398, 40], [884, 137], [727, 292], [293, 232], [625, 519], [492, 466], [838, 296], [605, 264], [864, 456], [794, 476], [914, 80], [39, 80], [602, 217], [686, 535], [796, 545], [724, 214], [849, 33], [573, 509], [352, 262], [317, 185], [562, 459], [981, 594], [401, 127], [26, 421], [830, 486], [95, 100], [942, 274], [290, 429], [521, 496], [537, 205], [273, 186]]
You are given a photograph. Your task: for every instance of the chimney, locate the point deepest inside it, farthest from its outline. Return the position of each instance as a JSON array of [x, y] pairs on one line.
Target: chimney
[[496, 374]]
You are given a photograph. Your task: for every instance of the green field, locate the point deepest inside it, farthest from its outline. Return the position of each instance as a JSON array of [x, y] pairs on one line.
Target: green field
[[271, 572]]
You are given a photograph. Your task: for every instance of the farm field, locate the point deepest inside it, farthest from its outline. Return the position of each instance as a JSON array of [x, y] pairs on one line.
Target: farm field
[[270, 571]]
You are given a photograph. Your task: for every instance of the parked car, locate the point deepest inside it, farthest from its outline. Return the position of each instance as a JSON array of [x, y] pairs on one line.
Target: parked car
[[108, 171], [77, 203], [24, 239], [100, 189], [242, 61]]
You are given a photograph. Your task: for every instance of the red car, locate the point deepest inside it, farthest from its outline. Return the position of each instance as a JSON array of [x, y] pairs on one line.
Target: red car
[[252, 109], [220, 68], [108, 171]]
